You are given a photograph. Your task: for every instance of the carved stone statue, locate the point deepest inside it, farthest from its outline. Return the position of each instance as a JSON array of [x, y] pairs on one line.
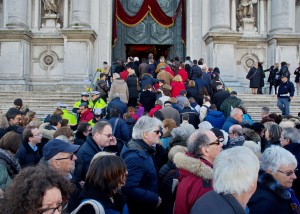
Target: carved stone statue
[[245, 9], [50, 6]]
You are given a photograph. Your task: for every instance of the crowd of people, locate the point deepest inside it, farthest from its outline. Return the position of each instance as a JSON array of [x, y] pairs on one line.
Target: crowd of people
[[153, 137]]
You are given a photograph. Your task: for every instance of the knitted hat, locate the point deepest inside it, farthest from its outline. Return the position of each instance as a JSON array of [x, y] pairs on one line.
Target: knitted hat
[[18, 102]]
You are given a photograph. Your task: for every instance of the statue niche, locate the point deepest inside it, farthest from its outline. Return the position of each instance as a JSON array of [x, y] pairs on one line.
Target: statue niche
[[51, 15], [245, 16]]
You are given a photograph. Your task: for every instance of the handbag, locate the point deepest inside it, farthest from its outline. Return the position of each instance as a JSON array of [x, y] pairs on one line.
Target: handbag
[[249, 78]]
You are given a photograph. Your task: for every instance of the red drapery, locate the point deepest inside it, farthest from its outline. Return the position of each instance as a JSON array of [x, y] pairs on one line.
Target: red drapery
[[152, 7]]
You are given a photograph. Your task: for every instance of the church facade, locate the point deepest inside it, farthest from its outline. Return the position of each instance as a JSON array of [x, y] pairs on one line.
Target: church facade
[[59, 44]]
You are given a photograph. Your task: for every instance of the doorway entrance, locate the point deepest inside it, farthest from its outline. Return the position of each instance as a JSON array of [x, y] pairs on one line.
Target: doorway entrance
[[142, 51]]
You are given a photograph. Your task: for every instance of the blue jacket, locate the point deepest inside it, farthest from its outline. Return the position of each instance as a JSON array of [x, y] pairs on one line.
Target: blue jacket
[[285, 89], [229, 122], [147, 79], [26, 156], [216, 118], [117, 103], [121, 129], [202, 83], [86, 152], [141, 188]]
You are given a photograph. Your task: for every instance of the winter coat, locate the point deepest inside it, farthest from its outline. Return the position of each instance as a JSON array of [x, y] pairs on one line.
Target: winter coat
[[103, 88], [9, 167], [183, 74], [130, 124], [294, 148], [216, 118], [121, 130], [79, 139], [201, 84], [147, 79], [27, 156], [229, 104], [124, 75], [193, 92], [181, 100], [86, 152], [89, 192], [153, 110], [262, 76], [176, 88], [119, 86], [254, 77], [166, 76], [284, 71], [219, 97], [141, 188], [229, 122], [272, 74], [150, 69], [195, 180], [117, 103], [86, 116], [166, 174], [160, 66], [132, 82], [297, 73], [195, 71], [270, 197], [193, 115], [147, 99], [285, 89], [236, 141], [214, 203], [171, 113]]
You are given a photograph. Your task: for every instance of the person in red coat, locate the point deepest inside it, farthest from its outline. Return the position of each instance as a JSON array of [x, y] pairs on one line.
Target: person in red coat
[[157, 107], [85, 113], [177, 85], [182, 72], [195, 169]]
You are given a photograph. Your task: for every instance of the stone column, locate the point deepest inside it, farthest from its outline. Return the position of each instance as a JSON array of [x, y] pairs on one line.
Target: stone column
[[220, 15], [81, 14], [262, 20], [233, 15], [37, 6], [283, 16], [269, 14], [17, 11], [66, 14]]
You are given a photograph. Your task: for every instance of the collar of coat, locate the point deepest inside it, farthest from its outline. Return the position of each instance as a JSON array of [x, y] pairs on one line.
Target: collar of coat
[[268, 180], [196, 166]]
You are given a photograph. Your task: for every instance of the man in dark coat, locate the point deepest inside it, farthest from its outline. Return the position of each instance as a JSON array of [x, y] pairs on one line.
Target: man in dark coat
[[262, 78], [28, 153], [100, 140], [195, 71], [220, 96], [170, 113], [231, 102], [193, 115], [285, 95], [117, 103]]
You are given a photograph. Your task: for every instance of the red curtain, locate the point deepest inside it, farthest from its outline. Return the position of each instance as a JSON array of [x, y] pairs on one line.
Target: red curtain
[[148, 6]]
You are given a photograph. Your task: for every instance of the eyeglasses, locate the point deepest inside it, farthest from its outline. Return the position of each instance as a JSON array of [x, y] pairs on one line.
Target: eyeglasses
[[217, 142], [70, 157], [157, 131], [108, 135], [37, 135], [288, 173], [61, 206]]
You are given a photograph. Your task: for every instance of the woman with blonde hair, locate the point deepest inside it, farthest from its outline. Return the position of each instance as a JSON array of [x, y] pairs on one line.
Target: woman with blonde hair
[[177, 85]]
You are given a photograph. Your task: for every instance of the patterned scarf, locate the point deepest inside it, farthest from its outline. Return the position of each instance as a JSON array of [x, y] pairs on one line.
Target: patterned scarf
[[294, 202]]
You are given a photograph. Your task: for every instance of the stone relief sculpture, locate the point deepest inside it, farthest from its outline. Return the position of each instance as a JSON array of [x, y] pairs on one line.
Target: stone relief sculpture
[[50, 6], [245, 16]]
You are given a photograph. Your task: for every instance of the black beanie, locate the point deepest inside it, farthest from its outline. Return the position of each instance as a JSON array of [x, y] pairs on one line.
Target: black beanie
[[18, 102]]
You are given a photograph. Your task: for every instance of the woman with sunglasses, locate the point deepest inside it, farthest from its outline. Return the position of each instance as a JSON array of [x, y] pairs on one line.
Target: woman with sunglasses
[[274, 194], [36, 190]]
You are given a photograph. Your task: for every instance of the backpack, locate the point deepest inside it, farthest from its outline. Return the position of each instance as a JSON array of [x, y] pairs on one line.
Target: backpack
[[98, 208]]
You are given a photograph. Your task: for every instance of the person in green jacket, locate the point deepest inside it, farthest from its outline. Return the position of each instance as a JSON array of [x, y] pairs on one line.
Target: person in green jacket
[[230, 103]]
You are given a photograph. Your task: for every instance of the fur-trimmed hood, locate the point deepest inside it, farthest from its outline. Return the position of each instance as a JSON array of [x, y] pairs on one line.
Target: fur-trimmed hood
[[268, 180], [251, 135], [193, 166]]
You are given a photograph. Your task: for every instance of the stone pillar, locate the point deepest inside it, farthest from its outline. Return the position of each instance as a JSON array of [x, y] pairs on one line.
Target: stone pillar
[[283, 16], [262, 20], [66, 14], [233, 15], [269, 14], [220, 15], [81, 14], [37, 6], [17, 11]]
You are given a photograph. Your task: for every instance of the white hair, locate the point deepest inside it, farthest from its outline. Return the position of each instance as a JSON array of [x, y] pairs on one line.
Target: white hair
[[205, 125], [116, 75], [235, 170], [235, 111], [145, 124], [286, 124], [255, 148], [275, 157]]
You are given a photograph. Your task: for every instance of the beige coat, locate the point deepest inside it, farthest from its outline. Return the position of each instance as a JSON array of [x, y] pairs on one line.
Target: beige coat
[[119, 86]]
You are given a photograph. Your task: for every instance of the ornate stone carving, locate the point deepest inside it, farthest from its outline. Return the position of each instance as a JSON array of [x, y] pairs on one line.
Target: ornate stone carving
[[248, 60], [50, 6], [138, 32], [245, 16], [160, 33], [48, 59]]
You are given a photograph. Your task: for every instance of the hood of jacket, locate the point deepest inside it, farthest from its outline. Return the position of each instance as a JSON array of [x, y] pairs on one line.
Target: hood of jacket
[[193, 166], [119, 81]]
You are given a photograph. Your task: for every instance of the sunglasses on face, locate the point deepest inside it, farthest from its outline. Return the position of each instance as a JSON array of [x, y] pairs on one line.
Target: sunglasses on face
[[157, 132], [217, 142]]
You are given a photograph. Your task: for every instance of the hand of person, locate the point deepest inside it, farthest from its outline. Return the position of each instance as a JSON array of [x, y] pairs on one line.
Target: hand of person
[[159, 202], [113, 141]]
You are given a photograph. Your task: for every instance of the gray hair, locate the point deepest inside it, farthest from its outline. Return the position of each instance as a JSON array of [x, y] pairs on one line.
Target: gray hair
[[292, 134], [274, 157], [235, 111], [265, 110], [197, 141], [179, 131], [174, 150], [236, 129], [235, 170], [286, 123], [99, 126], [145, 124], [255, 148], [116, 75]]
